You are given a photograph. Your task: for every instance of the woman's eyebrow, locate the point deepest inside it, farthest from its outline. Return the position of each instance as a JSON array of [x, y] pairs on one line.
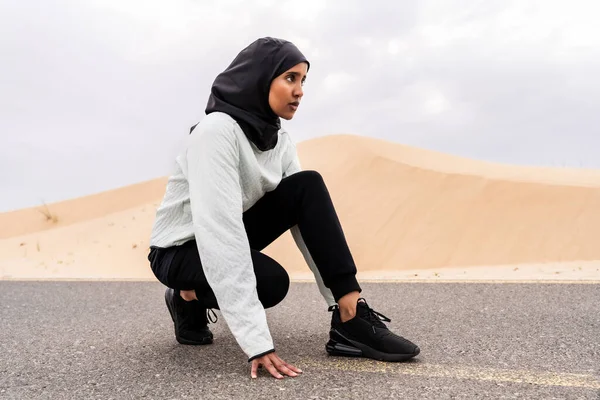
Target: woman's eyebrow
[[297, 74]]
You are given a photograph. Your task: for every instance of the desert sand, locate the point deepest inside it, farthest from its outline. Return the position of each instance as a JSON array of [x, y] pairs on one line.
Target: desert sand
[[408, 214]]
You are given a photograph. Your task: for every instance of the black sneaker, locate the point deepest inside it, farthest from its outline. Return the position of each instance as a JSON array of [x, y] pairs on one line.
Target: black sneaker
[[366, 335], [190, 319]]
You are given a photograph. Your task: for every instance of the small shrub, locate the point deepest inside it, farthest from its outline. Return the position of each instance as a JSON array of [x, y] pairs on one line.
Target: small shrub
[[50, 216]]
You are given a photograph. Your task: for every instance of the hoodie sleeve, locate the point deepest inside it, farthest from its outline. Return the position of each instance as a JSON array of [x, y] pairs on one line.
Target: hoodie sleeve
[[293, 166], [216, 203]]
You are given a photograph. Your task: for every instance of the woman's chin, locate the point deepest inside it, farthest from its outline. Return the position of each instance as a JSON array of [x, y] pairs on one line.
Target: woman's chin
[[287, 116]]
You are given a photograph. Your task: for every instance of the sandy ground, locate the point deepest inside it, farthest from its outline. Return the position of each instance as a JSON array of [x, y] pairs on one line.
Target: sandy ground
[[408, 214]]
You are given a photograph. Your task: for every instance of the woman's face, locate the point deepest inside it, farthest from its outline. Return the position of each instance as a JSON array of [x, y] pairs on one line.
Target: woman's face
[[286, 91]]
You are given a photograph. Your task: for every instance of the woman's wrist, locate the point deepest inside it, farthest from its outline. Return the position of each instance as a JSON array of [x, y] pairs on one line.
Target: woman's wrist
[[261, 355]]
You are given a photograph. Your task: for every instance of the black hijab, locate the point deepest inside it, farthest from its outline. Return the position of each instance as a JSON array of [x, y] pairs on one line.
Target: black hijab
[[242, 90]]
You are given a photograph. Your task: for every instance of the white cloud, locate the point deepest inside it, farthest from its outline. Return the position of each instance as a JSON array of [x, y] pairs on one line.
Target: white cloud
[[108, 88], [435, 102], [338, 81], [304, 12]]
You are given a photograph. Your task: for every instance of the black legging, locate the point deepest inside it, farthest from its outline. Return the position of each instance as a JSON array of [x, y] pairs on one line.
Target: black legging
[[301, 199]]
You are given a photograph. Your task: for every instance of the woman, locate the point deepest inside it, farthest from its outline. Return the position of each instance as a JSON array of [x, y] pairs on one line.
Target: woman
[[236, 188]]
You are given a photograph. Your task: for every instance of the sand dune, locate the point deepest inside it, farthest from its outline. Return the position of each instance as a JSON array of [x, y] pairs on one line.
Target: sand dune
[[408, 214], [34, 219]]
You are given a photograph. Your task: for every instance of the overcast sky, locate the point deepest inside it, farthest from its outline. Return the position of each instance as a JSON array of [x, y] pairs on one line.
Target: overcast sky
[[97, 94]]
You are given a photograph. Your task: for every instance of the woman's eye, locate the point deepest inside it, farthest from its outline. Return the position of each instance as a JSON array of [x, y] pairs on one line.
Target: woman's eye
[[292, 78]]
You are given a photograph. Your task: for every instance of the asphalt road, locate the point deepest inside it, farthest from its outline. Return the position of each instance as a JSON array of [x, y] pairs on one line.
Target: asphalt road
[[99, 340]]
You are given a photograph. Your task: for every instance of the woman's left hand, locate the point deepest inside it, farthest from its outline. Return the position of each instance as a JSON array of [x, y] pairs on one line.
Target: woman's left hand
[[275, 365]]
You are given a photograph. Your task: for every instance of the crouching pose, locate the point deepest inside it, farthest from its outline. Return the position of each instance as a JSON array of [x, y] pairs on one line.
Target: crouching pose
[[236, 188]]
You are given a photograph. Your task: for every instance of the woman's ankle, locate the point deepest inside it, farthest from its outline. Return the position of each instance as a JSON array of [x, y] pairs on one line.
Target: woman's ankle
[[347, 304], [188, 295]]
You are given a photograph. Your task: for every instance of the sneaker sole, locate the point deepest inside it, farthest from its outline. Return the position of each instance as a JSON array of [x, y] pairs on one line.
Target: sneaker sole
[[171, 308], [353, 348]]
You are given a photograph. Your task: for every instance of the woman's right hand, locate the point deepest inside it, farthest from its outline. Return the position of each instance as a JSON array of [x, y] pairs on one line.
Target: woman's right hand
[[275, 365]]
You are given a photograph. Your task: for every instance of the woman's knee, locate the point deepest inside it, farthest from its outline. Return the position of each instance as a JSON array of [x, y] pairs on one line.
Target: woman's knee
[[281, 286], [272, 281], [277, 288], [310, 180], [310, 176]]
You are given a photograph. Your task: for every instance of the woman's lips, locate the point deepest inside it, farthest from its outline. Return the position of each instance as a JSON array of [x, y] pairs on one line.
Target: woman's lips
[[294, 106]]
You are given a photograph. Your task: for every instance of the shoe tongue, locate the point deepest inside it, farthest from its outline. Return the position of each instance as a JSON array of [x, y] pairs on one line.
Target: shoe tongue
[[363, 311]]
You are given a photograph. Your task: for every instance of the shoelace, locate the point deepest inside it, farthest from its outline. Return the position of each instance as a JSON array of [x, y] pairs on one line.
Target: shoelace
[[191, 320], [208, 315], [373, 316]]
